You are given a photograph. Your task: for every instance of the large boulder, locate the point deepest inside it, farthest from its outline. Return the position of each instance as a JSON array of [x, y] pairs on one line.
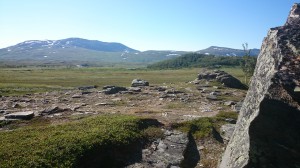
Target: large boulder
[[222, 77], [267, 132]]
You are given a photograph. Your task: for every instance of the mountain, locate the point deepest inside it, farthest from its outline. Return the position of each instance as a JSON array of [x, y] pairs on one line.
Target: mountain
[[223, 51], [72, 43], [77, 51], [197, 60]]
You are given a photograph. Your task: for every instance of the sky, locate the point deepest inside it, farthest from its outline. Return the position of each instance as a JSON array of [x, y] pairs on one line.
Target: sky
[[185, 25]]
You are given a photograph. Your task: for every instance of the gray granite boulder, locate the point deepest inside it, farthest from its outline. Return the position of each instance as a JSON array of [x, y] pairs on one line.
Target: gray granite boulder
[[139, 82], [222, 77], [267, 133]]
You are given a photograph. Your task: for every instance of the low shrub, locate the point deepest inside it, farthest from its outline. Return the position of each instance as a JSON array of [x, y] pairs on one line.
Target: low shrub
[[203, 127], [64, 145]]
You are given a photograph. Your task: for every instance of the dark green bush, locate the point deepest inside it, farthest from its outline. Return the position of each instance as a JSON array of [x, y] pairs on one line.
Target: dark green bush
[[64, 145]]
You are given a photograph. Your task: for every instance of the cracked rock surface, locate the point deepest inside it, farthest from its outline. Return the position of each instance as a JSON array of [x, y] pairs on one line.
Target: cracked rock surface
[[267, 131], [167, 152]]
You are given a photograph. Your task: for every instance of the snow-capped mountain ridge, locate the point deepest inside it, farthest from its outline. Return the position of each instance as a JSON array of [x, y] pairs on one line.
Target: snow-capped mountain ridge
[[73, 43], [77, 51]]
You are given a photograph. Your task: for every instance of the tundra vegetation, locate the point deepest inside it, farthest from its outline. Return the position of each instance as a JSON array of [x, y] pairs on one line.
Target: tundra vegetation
[[41, 142]]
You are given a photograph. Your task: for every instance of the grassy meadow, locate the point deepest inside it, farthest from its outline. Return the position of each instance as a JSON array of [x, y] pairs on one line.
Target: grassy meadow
[[75, 143], [17, 81]]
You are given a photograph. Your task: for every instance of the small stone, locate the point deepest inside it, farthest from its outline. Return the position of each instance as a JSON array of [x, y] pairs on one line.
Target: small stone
[[201, 147], [139, 82], [103, 104], [134, 89], [17, 106], [52, 110], [86, 87], [161, 88], [76, 96], [108, 86], [229, 103], [215, 93], [173, 91], [230, 120], [86, 92], [203, 91], [116, 99], [212, 97]]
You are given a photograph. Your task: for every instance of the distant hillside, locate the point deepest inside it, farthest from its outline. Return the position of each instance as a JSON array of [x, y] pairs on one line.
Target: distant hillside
[[197, 60], [72, 43], [77, 51], [223, 51]]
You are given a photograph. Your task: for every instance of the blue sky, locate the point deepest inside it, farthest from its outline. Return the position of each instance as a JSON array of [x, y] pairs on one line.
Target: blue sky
[[187, 25]]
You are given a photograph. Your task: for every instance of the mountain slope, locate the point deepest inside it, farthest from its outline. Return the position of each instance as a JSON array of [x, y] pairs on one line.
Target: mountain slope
[[77, 51], [223, 51], [197, 60], [72, 43]]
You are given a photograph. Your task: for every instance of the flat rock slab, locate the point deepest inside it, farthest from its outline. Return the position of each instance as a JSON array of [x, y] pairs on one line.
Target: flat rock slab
[[20, 115]]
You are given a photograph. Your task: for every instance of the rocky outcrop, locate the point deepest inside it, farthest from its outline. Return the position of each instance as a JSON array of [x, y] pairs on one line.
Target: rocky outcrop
[[267, 131], [222, 77], [113, 89], [167, 152]]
